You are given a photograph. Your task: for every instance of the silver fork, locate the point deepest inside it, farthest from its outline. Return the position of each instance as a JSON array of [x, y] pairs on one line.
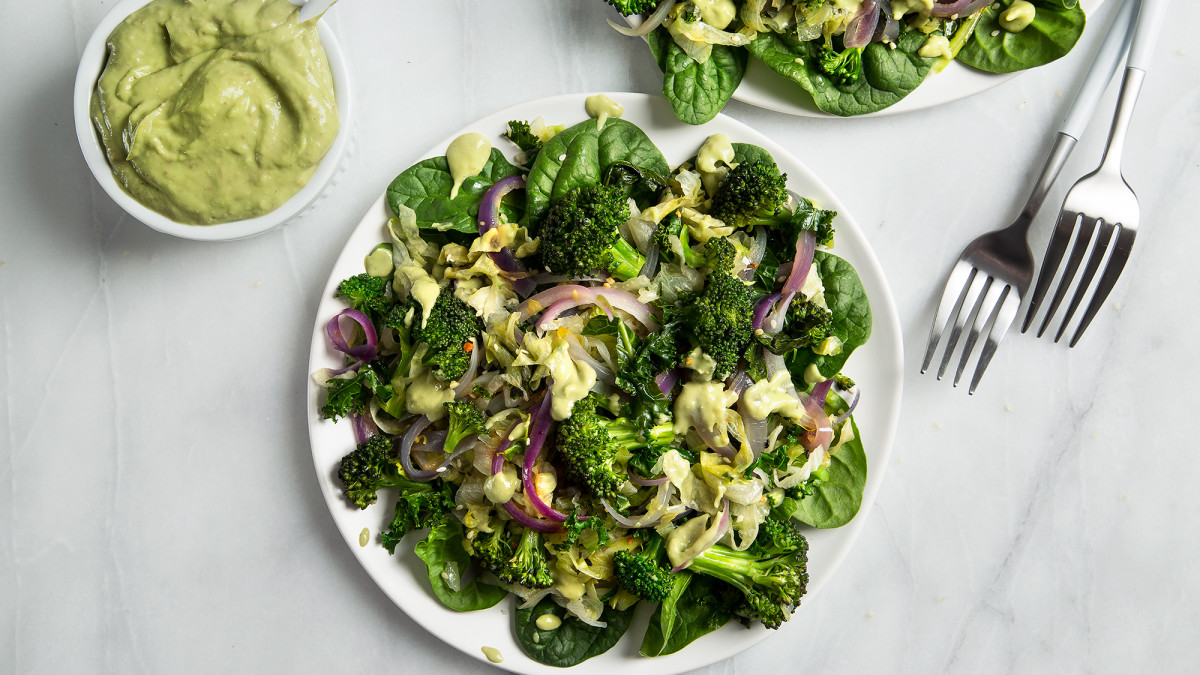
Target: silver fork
[[994, 272], [1101, 209]]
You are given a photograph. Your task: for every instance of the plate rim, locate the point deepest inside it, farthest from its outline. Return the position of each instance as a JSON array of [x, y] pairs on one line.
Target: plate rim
[[659, 121]]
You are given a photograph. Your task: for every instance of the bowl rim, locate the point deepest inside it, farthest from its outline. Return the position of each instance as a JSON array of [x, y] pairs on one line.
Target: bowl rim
[[91, 64]]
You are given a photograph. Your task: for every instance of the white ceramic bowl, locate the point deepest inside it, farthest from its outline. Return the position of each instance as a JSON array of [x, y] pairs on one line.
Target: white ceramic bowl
[[92, 63]]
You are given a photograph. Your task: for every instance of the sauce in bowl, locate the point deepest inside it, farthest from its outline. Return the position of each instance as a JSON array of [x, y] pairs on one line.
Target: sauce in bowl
[[213, 111]]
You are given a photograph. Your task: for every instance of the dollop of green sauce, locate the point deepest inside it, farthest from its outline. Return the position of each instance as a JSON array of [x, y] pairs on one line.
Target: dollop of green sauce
[[212, 111]]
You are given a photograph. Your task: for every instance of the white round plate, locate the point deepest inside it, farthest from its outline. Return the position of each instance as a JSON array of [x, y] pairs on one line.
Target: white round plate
[[763, 88], [876, 366]]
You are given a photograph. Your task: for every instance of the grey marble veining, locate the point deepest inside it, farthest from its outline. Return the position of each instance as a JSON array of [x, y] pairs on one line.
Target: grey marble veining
[[157, 495]]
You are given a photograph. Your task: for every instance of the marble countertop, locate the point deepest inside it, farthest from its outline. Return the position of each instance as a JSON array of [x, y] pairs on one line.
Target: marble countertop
[[159, 507]]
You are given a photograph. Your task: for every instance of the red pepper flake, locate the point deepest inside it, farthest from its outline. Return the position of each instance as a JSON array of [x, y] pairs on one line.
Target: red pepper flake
[[468, 347]]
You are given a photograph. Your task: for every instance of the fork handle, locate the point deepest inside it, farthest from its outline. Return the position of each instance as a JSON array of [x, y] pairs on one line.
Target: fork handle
[[1109, 55], [1149, 21]]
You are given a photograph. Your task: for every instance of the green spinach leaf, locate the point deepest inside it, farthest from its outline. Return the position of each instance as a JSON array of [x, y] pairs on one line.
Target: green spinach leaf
[[443, 552], [578, 156], [571, 643], [747, 152], [693, 609], [1054, 31], [697, 91], [425, 188], [888, 74], [847, 300], [834, 502]]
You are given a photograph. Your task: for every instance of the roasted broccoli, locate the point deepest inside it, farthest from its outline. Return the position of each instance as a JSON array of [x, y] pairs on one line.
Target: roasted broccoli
[[588, 443], [579, 234], [372, 466], [754, 193], [720, 254], [465, 422], [364, 293], [351, 395], [842, 68], [720, 320], [644, 573], [448, 334], [492, 549], [419, 506], [630, 7], [778, 535], [771, 583], [527, 566], [807, 322]]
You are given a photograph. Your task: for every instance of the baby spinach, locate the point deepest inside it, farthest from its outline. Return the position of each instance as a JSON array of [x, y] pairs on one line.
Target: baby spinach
[[1054, 31], [847, 300], [442, 549], [425, 188], [836, 501], [578, 156], [697, 91], [571, 643], [747, 152], [887, 76], [692, 610]]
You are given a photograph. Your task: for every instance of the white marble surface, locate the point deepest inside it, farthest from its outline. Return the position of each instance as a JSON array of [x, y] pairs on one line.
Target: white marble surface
[[159, 507]]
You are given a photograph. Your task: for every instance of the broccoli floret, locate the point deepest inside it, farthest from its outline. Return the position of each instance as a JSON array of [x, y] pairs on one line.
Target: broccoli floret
[[465, 422], [364, 293], [807, 322], [579, 234], [644, 573], [754, 193], [843, 382], [771, 585], [351, 396], [372, 466], [527, 567], [779, 536], [720, 254], [449, 331], [629, 7], [523, 137], [419, 506], [721, 319], [588, 443], [492, 549], [842, 68]]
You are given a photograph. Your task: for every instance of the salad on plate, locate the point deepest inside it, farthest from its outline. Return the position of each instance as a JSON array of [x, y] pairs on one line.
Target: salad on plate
[[852, 57], [593, 380]]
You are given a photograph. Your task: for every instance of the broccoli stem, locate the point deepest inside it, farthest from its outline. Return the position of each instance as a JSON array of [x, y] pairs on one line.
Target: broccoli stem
[[626, 261], [732, 567]]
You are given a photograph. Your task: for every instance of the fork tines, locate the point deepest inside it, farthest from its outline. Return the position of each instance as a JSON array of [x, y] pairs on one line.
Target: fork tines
[[972, 296], [1105, 245]]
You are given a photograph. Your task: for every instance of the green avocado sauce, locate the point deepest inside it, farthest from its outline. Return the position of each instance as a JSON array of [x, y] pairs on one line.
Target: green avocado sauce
[[212, 111]]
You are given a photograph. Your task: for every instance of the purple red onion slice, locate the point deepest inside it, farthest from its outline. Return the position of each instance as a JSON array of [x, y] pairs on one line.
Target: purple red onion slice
[[364, 352], [861, 28], [957, 7]]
